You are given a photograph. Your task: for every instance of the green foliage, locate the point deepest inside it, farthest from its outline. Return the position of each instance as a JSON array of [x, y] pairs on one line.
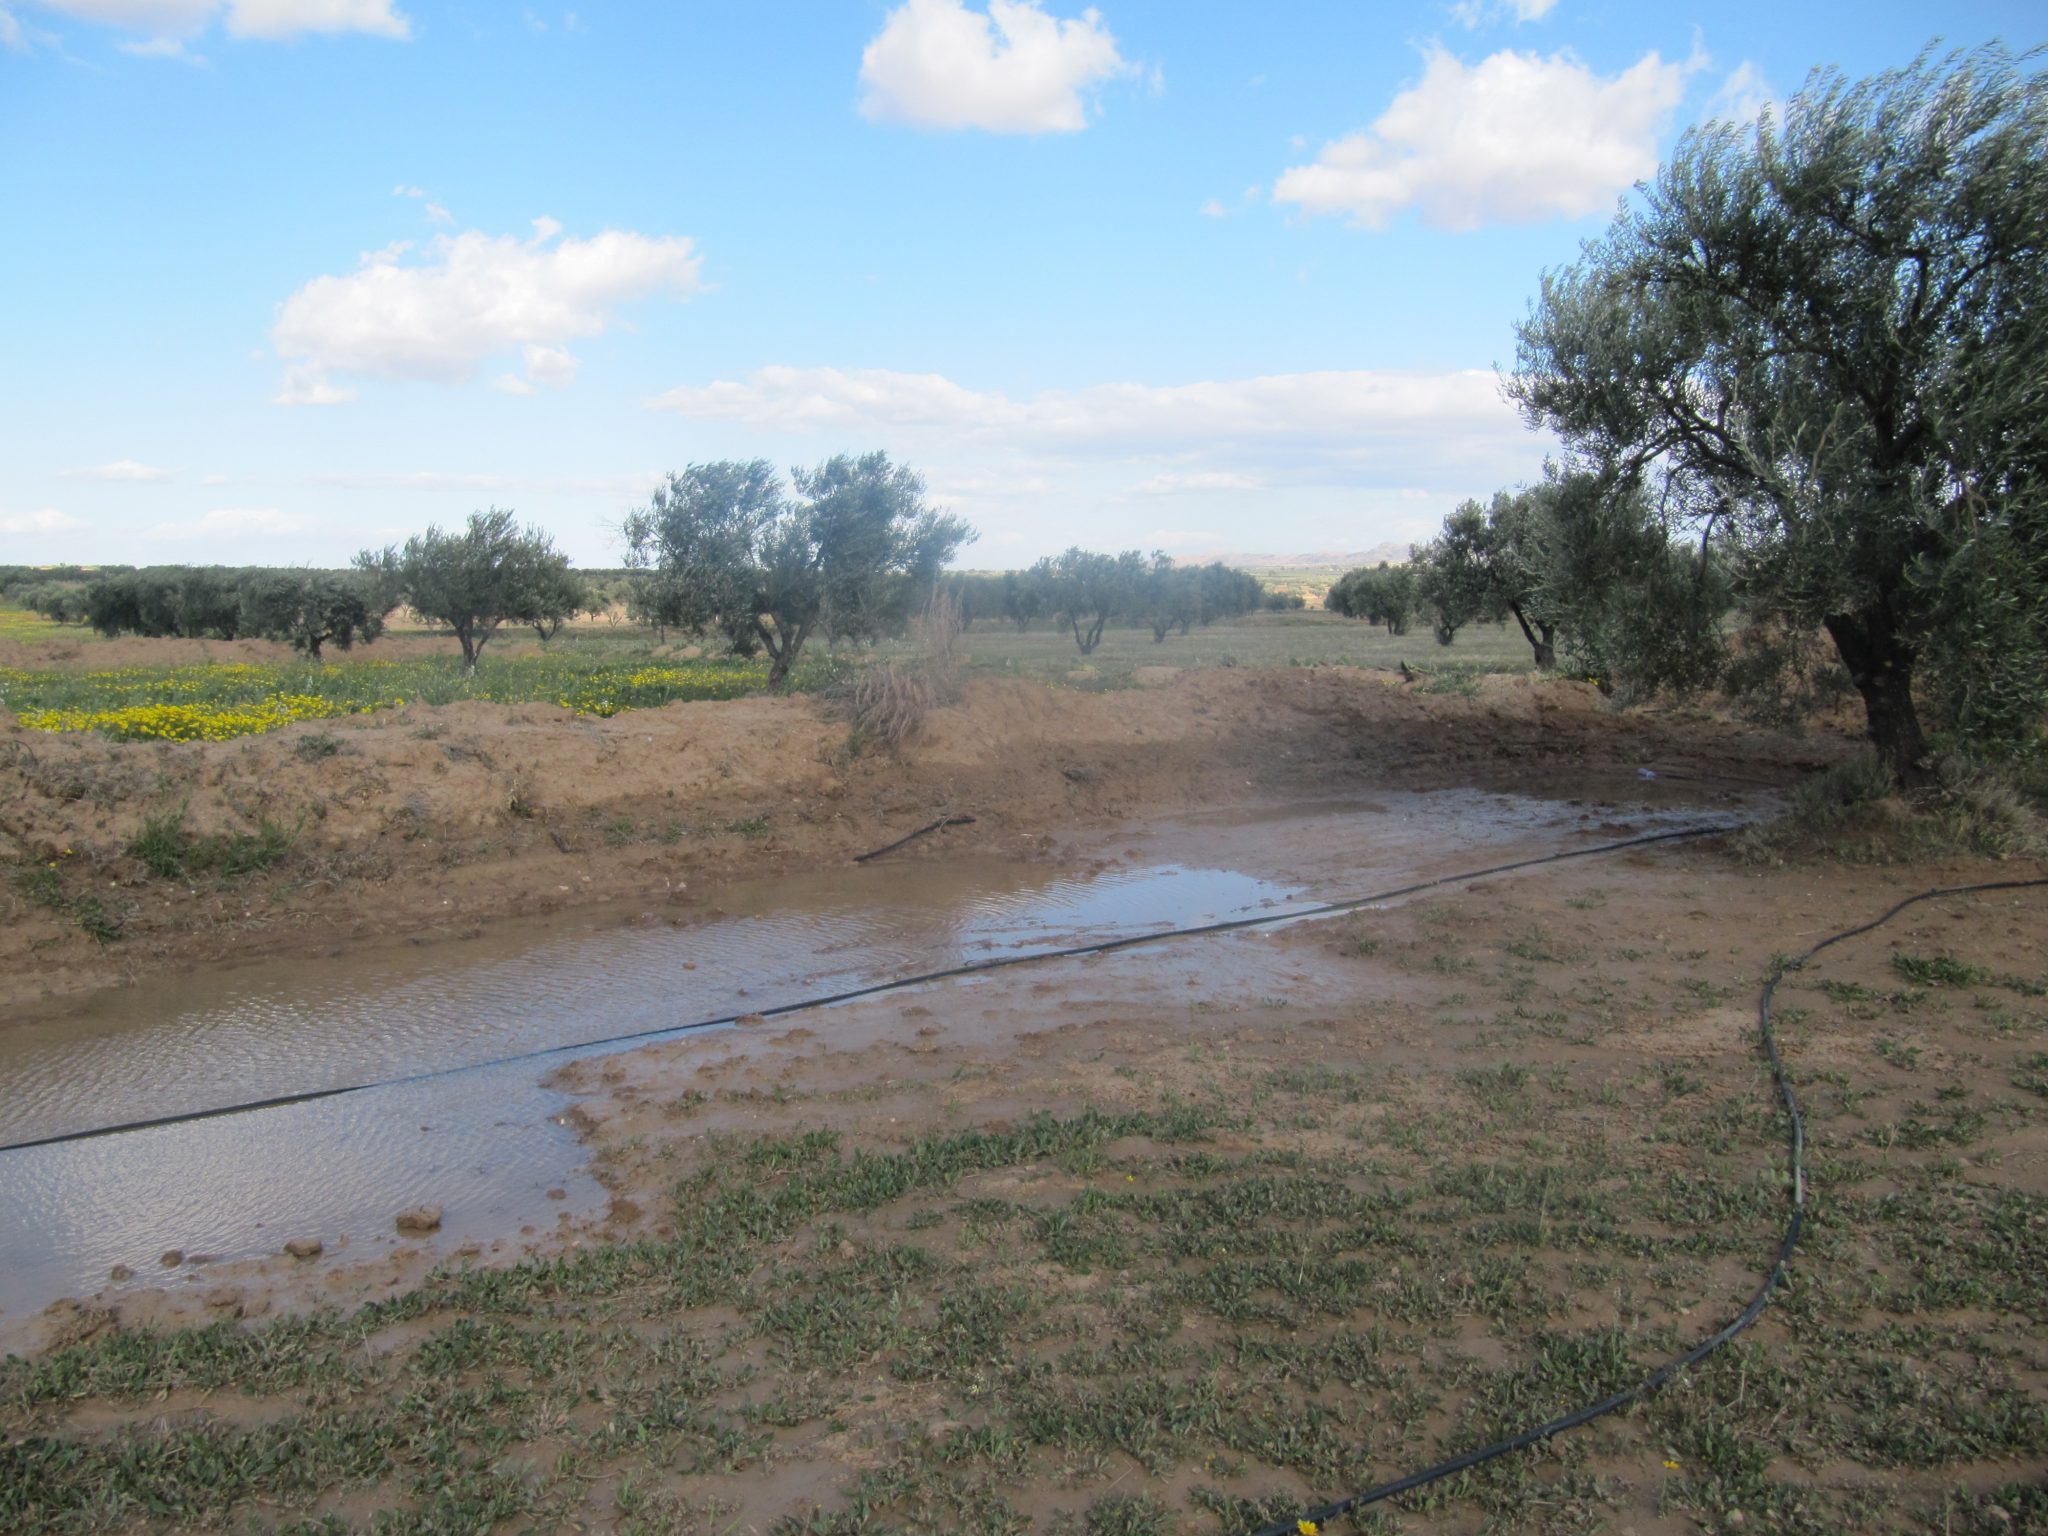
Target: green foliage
[[195, 602], [1822, 339], [1826, 801], [1084, 590], [311, 609], [474, 581], [1638, 612], [1384, 594], [170, 850], [724, 550]]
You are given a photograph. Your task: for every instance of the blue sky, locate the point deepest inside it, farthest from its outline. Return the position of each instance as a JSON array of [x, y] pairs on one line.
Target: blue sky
[[285, 278]]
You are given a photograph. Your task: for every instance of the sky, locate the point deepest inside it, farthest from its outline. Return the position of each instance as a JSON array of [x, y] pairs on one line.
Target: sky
[[281, 280]]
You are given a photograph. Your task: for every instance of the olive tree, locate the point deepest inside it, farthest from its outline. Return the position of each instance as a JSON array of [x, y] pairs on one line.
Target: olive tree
[[1826, 339], [1381, 594], [1084, 589], [311, 609], [724, 548], [474, 581]]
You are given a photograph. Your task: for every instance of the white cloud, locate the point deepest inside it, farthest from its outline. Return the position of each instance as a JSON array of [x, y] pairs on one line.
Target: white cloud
[[165, 23], [1350, 412], [120, 469], [402, 190], [10, 33], [1214, 210], [47, 520], [1182, 538], [306, 384], [1322, 456], [162, 18], [256, 522], [1743, 97], [1171, 484], [414, 480], [438, 214], [291, 18], [1015, 69], [163, 48], [1475, 13], [1515, 138], [216, 478], [471, 297]]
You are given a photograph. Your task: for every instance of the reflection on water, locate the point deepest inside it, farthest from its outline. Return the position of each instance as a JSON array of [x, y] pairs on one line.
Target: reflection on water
[[281, 1029], [483, 1144]]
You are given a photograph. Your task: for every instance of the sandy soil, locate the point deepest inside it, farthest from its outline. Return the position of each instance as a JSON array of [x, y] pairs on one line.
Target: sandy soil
[[428, 822]]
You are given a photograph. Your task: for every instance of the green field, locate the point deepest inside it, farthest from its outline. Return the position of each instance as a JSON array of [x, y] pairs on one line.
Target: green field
[[1303, 639], [603, 669]]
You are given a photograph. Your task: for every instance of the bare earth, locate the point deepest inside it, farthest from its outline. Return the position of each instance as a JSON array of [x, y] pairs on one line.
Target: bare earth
[[1592, 1022], [428, 822]]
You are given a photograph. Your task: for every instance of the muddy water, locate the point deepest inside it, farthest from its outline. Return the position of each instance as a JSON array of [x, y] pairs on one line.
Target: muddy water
[[487, 1143]]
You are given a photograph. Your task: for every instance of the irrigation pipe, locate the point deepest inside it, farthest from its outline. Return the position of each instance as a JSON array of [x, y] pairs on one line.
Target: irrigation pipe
[[873, 989], [1796, 1146], [943, 821]]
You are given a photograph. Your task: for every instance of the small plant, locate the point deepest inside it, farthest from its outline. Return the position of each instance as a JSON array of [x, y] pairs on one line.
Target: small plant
[[316, 747], [43, 884], [1825, 802], [1940, 971], [169, 850]]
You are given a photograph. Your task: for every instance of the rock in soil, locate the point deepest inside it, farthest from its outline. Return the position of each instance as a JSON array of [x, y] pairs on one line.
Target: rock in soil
[[421, 1218]]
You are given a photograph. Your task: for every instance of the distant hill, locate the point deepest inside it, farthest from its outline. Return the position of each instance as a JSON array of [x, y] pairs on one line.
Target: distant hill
[[1393, 554]]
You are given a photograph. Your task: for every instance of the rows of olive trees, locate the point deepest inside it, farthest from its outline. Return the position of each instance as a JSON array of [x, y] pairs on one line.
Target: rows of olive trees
[[1587, 570], [1083, 593], [309, 609], [473, 582]]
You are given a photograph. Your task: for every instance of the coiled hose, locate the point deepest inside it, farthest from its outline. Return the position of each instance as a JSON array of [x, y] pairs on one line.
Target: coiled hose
[[1796, 1149]]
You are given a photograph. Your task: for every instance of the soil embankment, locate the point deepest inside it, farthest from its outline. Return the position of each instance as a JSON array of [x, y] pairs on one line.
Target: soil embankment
[[426, 823]]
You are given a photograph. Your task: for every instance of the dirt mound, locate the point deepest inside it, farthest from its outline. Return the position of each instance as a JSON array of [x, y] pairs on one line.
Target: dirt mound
[[431, 820]]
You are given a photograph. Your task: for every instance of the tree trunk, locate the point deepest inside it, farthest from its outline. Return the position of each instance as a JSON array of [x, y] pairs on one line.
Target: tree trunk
[[783, 651], [470, 647], [1544, 646], [1880, 664]]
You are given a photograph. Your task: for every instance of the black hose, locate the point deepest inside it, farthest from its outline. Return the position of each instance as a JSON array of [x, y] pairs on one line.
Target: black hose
[[873, 989], [1742, 1320], [943, 821]]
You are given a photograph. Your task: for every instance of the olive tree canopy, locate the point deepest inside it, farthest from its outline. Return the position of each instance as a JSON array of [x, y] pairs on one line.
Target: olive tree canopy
[[1825, 342], [475, 580], [725, 549]]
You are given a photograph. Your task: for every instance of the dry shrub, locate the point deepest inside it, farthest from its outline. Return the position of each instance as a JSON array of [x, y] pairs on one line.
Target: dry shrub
[[1854, 812], [888, 704]]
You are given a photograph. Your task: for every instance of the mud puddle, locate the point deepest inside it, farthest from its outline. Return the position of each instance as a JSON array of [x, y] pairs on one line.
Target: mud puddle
[[489, 1144]]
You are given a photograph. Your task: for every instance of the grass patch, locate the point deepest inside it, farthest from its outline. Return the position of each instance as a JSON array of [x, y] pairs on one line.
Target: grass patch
[[170, 850]]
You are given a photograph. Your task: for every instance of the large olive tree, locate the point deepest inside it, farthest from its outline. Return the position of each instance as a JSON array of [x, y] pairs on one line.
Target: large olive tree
[[1825, 341], [476, 580], [725, 548]]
